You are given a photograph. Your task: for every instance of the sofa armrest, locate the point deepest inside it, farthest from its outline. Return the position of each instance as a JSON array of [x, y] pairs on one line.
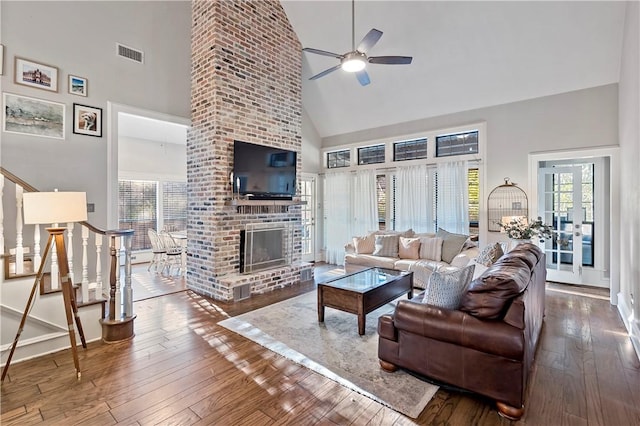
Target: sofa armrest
[[515, 314], [459, 328], [386, 328]]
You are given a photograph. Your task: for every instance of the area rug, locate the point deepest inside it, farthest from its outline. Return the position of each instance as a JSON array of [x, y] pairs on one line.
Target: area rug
[[334, 349]]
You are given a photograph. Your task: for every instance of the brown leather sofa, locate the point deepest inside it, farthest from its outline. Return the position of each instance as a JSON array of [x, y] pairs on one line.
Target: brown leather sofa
[[487, 346]]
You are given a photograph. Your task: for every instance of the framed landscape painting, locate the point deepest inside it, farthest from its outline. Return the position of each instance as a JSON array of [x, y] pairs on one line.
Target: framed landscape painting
[[34, 74], [31, 116], [77, 85], [87, 120]]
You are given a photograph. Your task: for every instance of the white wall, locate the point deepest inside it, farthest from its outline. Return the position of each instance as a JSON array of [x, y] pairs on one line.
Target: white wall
[[311, 144], [80, 39], [584, 118], [629, 112], [145, 159]]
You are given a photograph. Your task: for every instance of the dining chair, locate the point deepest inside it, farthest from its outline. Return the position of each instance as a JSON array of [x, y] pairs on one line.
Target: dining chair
[[158, 250], [173, 253]]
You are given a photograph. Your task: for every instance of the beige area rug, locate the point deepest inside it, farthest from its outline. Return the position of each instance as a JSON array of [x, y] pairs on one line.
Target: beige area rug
[[334, 349]]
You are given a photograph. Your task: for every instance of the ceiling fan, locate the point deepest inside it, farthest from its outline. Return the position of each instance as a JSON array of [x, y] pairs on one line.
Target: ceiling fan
[[356, 60]]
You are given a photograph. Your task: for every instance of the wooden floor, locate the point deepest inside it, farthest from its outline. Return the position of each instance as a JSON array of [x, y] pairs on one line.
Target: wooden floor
[[182, 368]]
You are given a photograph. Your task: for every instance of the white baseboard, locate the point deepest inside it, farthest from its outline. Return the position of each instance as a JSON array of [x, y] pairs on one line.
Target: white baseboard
[[631, 324]]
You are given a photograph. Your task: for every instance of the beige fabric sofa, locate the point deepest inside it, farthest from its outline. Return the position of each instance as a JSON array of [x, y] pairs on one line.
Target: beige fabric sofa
[[422, 268]]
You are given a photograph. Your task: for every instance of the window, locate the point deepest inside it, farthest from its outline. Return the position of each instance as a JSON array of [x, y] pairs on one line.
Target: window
[[137, 210], [457, 144], [371, 154], [174, 206], [337, 159], [381, 194], [410, 150], [474, 201]]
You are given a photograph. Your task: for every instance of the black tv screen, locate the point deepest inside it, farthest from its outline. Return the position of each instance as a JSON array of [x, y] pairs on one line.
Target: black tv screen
[[263, 172]]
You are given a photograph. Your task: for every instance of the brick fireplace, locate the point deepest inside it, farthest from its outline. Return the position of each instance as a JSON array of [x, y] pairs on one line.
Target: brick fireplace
[[246, 85]]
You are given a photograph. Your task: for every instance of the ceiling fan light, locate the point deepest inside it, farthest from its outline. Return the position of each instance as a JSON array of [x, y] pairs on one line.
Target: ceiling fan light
[[353, 64]]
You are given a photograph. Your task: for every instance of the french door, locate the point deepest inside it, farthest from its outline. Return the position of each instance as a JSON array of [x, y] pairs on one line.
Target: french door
[[308, 194], [560, 204]]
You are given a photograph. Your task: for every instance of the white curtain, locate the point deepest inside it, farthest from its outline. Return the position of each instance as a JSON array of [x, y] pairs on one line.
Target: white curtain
[[337, 208], [415, 199], [364, 203], [453, 197]]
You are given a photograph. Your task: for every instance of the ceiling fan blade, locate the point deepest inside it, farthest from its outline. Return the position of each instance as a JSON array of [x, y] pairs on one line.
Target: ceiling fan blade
[[325, 72], [322, 52], [369, 40], [390, 60], [363, 77]]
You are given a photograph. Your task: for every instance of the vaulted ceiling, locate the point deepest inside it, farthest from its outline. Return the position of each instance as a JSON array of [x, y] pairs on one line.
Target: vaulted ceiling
[[466, 55]]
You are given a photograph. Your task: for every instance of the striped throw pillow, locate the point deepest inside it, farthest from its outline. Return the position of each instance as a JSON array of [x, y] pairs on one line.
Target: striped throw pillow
[[447, 285], [387, 245], [431, 248]]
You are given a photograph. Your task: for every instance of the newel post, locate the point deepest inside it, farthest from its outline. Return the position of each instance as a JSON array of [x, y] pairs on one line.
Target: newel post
[[118, 325]]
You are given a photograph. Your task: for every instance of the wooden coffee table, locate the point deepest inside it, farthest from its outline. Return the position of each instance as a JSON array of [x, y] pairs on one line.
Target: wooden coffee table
[[363, 292]]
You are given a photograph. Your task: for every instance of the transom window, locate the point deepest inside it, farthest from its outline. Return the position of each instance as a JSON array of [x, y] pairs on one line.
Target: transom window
[[410, 150], [337, 159], [457, 144], [371, 154]]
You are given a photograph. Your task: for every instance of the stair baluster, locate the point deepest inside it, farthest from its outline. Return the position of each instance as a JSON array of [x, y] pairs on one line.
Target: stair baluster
[[19, 230], [70, 250], [85, 264]]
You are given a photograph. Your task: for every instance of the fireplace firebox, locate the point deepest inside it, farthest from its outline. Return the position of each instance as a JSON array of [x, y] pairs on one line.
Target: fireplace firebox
[[265, 246]]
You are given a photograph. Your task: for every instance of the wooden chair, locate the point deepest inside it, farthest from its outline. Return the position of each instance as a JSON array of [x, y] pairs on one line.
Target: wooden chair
[[173, 253], [158, 250]]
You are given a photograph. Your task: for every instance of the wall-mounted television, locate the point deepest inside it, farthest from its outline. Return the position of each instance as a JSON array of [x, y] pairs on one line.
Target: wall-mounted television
[[263, 172]]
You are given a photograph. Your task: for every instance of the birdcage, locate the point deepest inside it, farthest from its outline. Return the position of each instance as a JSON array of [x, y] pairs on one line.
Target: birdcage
[[506, 200]]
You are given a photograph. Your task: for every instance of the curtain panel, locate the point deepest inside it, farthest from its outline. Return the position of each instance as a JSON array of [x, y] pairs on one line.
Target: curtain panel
[[453, 197]]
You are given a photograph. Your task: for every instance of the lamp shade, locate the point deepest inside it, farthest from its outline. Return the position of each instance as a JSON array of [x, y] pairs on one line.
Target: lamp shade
[[54, 207]]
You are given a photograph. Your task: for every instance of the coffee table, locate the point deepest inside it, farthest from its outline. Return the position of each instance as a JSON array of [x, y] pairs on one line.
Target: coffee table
[[363, 292]]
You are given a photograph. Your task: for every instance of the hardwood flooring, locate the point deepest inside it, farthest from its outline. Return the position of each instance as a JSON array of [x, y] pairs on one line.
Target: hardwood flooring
[[183, 369]]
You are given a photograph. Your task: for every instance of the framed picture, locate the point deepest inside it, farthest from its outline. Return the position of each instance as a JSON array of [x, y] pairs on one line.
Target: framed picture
[[87, 120], [34, 74], [31, 116], [77, 85]]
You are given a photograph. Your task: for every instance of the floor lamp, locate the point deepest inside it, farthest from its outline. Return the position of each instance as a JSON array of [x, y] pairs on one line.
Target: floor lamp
[[54, 208]]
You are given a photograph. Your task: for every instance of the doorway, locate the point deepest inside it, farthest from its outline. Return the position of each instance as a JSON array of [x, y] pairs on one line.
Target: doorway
[[308, 191], [575, 194]]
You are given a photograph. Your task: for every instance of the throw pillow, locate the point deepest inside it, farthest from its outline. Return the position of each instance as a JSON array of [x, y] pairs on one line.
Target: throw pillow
[[409, 248], [386, 245], [431, 248], [364, 245], [490, 254], [451, 244], [447, 285], [407, 234]]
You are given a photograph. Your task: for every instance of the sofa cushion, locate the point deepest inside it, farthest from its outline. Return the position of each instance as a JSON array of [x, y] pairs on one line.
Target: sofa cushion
[[387, 245], [431, 248], [451, 244], [364, 245], [446, 286], [489, 295], [409, 248], [370, 260], [490, 254], [408, 233], [527, 256]]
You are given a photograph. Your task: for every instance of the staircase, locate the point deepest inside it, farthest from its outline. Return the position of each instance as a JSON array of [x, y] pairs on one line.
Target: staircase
[[104, 303]]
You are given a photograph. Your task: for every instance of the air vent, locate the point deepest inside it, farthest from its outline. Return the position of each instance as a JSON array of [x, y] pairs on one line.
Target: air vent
[[130, 53]]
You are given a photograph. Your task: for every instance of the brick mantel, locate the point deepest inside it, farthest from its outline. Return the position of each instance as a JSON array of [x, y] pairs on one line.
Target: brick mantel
[[246, 85]]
